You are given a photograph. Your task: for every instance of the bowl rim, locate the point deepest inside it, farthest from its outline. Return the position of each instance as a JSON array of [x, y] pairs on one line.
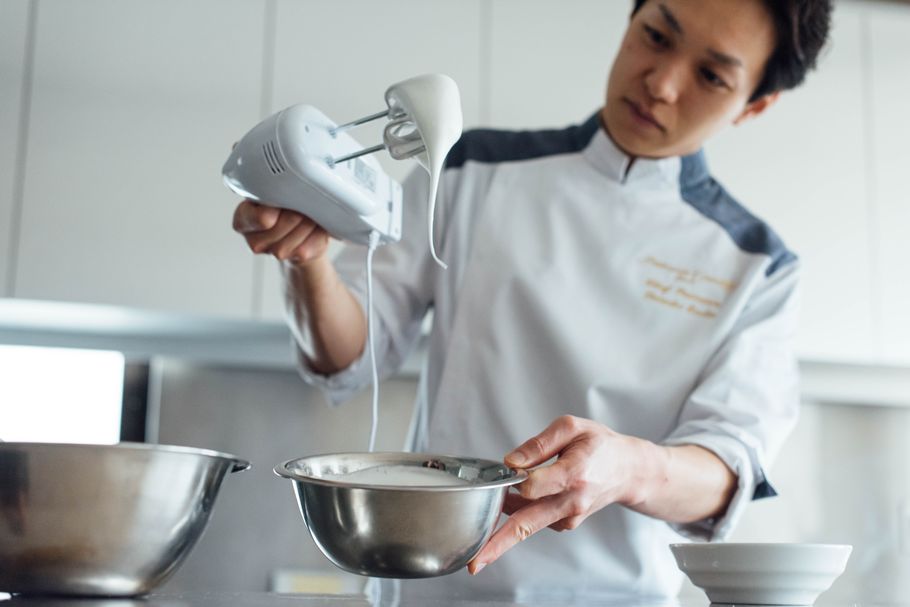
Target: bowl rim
[[518, 475], [238, 464]]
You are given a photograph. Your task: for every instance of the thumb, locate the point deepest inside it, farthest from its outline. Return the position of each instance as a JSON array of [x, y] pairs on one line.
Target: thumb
[[547, 444]]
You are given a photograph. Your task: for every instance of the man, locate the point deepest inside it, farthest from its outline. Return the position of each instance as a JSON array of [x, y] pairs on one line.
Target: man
[[599, 277]]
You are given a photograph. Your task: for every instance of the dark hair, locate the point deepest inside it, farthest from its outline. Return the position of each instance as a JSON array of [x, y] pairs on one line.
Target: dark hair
[[802, 28]]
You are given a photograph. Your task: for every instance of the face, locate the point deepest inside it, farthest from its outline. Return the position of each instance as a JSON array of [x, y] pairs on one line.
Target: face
[[686, 69]]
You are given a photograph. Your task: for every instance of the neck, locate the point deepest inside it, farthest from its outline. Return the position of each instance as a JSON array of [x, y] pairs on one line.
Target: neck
[[632, 157]]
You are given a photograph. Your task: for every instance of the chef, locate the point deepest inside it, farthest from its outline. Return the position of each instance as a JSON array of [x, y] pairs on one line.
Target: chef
[[611, 318]]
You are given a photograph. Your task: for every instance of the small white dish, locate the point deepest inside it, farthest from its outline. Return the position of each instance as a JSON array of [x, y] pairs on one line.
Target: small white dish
[[762, 574]]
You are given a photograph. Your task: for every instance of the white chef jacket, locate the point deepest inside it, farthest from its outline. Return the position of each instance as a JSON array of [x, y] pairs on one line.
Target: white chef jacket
[[637, 293]]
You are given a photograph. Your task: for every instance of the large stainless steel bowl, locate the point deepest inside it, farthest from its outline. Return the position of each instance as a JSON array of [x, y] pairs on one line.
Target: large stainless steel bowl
[[399, 531], [102, 520]]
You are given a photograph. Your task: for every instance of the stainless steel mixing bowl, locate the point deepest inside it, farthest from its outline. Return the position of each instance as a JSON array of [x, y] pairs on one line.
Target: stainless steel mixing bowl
[[399, 532], [102, 520]]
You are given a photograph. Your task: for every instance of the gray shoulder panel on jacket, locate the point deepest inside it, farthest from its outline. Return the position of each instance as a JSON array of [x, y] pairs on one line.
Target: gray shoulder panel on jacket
[[492, 146], [709, 198]]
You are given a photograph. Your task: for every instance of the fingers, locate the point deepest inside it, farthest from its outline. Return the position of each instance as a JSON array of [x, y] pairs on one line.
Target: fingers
[[524, 523], [560, 495], [566, 474], [304, 243], [548, 443], [252, 217], [569, 523], [265, 241], [514, 502], [283, 233]]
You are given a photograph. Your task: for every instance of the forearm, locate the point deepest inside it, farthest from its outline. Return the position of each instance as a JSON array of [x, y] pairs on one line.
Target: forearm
[[680, 484], [330, 325]]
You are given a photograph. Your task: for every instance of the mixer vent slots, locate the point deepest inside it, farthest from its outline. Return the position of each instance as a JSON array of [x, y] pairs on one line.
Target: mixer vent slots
[[272, 159]]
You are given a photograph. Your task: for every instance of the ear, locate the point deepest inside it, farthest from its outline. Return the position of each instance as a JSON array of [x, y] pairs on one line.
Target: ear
[[754, 108]]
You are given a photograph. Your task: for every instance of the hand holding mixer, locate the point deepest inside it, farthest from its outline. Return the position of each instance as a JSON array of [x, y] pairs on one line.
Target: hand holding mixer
[[299, 159]]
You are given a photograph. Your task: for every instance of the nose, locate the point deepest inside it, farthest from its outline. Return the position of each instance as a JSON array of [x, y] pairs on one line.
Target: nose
[[664, 82]]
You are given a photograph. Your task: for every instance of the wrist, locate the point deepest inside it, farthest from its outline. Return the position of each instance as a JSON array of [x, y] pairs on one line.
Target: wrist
[[308, 264], [650, 473], [310, 275]]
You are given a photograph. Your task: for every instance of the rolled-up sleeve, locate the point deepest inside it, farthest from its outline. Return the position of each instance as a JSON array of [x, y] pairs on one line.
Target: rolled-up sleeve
[[402, 294], [746, 401]]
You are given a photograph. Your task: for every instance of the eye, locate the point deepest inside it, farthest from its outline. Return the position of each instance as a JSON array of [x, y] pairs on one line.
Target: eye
[[656, 37], [712, 78]]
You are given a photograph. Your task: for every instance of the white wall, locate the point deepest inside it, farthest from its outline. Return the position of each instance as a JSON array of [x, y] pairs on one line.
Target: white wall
[[14, 28], [129, 121], [886, 29]]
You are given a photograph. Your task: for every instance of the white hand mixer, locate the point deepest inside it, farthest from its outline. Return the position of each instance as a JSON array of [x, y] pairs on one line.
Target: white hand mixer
[[299, 159]]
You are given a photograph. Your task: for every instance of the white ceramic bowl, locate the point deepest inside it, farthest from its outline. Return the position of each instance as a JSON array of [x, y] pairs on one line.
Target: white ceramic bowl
[[762, 574]]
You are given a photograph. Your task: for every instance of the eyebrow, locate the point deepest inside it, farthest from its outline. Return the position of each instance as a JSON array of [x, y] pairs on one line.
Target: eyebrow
[[674, 24], [725, 59], [670, 18]]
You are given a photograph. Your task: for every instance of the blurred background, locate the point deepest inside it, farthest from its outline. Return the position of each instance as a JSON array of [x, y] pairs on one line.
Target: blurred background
[[130, 310]]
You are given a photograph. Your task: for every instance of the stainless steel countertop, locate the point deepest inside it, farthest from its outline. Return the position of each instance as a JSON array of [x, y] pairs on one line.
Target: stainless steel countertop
[[263, 599], [207, 599]]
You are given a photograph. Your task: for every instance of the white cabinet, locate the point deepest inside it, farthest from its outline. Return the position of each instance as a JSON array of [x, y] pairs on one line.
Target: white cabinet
[[13, 32], [802, 168], [549, 61], [889, 78], [134, 108], [341, 56]]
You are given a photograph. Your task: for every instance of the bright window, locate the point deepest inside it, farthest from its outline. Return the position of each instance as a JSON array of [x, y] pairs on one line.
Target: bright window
[[60, 395]]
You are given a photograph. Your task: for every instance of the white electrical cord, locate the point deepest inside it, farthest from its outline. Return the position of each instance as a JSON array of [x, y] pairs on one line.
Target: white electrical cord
[[374, 243]]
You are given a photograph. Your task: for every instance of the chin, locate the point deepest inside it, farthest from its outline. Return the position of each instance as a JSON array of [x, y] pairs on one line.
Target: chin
[[637, 146], [633, 144], [630, 140]]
